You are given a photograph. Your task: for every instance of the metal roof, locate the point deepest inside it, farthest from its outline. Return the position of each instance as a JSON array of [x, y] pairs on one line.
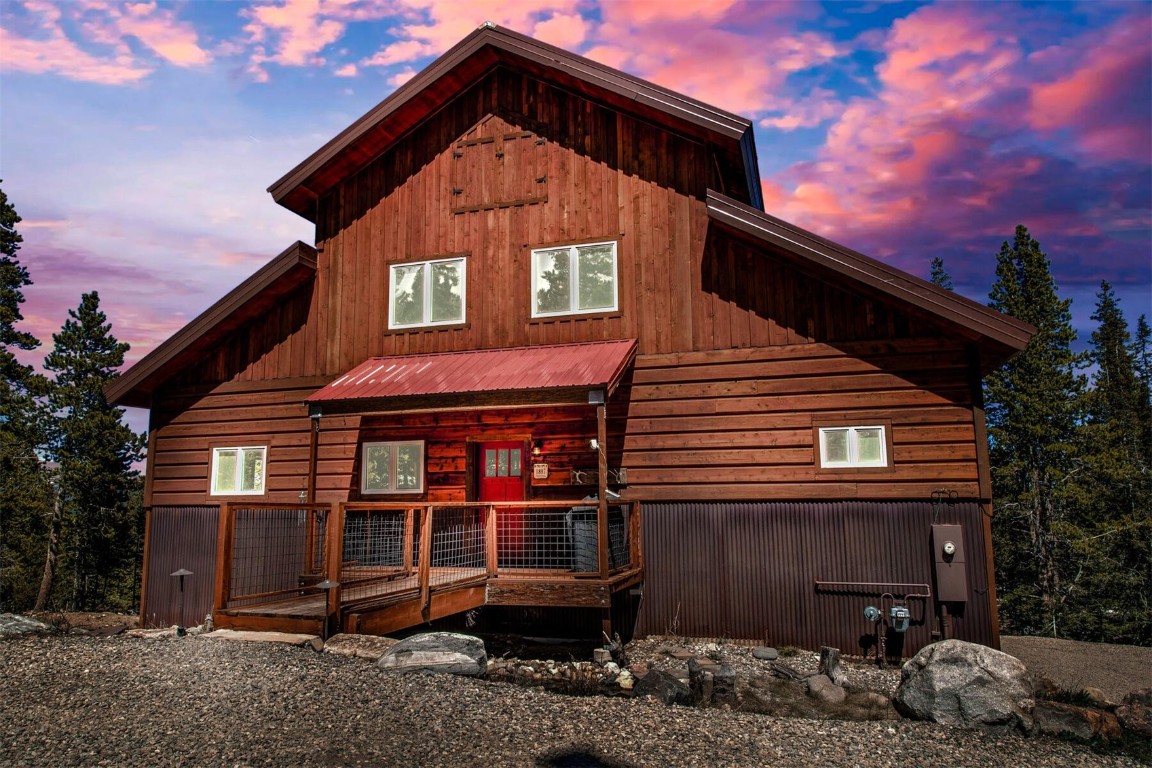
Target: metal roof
[[598, 364]]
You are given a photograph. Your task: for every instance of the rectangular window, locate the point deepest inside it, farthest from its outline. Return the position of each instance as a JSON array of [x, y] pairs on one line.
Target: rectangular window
[[427, 293], [238, 471], [392, 468], [853, 447], [574, 279]]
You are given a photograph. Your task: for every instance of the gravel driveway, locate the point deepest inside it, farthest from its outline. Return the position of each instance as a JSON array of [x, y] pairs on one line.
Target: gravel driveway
[[120, 701]]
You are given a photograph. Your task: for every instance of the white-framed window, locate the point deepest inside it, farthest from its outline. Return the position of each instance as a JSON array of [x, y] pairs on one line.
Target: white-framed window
[[239, 471], [853, 447], [427, 293], [574, 279], [392, 467]]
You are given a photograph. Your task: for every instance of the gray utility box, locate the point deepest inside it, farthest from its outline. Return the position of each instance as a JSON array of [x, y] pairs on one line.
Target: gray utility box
[[951, 563]]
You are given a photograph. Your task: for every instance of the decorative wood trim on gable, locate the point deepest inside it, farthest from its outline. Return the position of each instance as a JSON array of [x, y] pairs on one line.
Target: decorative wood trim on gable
[[999, 335], [470, 60], [295, 266]]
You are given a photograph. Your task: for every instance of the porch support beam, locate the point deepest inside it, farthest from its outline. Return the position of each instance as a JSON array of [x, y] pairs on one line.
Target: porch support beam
[[602, 489]]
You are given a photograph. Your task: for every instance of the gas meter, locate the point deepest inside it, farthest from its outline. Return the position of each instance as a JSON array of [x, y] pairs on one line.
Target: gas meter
[[872, 613], [899, 615]]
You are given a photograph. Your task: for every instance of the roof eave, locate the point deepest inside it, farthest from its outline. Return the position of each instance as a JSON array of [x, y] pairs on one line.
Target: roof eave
[[488, 47], [1007, 333], [283, 274]]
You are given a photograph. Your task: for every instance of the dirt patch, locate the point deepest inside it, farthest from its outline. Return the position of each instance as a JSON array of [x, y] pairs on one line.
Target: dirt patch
[[1073, 665]]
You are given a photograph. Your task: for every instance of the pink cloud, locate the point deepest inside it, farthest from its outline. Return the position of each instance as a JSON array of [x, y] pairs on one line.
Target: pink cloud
[[1094, 101], [291, 33], [943, 155], [42, 47]]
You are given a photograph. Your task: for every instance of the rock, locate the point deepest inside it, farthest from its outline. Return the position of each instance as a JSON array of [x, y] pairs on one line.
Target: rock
[[625, 680], [639, 669], [288, 638], [368, 647], [1069, 721], [1099, 699], [712, 683], [1135, 712], [601, 655], [152, 634], [765, 654], [823, 689], [443, 652], [830, 665], [681, 654], [612, 668], [876, 700], [14, 624], [664, 687], [958, 683], [1044, 687]]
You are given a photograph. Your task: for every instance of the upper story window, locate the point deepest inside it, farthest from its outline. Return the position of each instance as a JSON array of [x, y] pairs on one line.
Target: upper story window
[[238, 471], [392, 467], [574, 279], [853, 447], [427, 293]]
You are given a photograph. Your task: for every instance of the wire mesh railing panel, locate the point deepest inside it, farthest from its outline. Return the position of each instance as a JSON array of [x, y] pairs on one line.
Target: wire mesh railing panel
[[373, 551], [274, 553], [553, 540], [457, 543]]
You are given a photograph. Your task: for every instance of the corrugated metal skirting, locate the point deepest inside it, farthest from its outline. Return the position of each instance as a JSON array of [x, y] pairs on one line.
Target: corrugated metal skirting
[[180, 537], [748, 570]]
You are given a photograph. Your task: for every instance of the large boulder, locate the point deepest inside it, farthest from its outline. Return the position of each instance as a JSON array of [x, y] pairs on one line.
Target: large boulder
[[958, 683], [664, 686], [445, 652], [1135, 712]]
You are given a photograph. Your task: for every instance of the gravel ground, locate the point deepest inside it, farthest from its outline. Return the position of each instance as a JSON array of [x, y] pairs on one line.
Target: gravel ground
[[1073, 665], [121, 701]]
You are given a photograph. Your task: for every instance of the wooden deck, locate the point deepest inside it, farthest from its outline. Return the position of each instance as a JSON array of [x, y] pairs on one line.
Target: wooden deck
[[378, 599]]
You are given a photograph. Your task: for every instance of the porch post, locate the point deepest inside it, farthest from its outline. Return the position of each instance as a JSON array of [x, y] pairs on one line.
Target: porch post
[[334, 539], [602, 490], [224, 531]]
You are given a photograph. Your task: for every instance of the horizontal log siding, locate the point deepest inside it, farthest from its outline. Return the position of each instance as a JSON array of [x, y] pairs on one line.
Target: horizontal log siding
[[186, 426], [749, 570], [738, 424]]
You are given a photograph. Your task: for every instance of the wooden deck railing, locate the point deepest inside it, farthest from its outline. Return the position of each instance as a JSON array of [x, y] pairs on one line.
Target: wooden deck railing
[[349, 551]]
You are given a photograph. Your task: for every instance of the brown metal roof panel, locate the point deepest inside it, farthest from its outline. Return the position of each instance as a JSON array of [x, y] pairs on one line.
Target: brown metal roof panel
[[556, 366]]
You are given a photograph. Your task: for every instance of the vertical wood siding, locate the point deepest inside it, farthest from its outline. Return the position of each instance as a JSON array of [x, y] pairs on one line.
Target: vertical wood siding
[[749, 570], [180, 537]]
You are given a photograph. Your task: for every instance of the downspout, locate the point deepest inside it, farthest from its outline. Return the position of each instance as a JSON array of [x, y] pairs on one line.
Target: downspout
[[313, 443]]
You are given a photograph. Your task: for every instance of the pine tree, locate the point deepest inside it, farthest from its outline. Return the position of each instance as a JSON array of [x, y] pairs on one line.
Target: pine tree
[[95, 451], [939, 275], [25, 488], [1032, 414], [1113, 528]]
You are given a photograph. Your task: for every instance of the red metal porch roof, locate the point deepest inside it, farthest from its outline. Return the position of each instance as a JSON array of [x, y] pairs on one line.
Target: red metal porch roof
[[557, 366]]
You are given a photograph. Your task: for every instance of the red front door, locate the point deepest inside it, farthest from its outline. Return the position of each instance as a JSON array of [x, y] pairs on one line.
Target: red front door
[[502, 479]]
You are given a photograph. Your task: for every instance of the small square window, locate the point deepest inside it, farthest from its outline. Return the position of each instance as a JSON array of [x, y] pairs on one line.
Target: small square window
[[427, 293], [576, 279], [392, 467], [853, 447], [238, 471]]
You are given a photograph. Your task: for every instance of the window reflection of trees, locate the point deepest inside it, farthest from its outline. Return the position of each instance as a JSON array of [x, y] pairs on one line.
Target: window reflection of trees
[[588, 270]]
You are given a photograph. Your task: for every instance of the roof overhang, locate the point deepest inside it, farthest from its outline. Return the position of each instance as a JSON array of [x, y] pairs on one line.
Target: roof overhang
[[998, 336], [252, 298], [470, 60], [556, 374]]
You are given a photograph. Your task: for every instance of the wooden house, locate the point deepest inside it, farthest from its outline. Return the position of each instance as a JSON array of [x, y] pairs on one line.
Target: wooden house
[[549, 352]]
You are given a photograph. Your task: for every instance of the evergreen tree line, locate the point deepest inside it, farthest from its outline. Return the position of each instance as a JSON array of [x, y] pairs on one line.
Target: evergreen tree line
[[1070, 442], [71, 512]]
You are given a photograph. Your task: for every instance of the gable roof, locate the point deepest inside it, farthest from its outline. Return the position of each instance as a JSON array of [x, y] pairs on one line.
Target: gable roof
[[999, 336], [468, 62], [292, 268]]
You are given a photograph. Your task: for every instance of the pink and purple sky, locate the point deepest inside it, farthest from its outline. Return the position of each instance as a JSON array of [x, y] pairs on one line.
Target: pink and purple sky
[[137, 138]]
